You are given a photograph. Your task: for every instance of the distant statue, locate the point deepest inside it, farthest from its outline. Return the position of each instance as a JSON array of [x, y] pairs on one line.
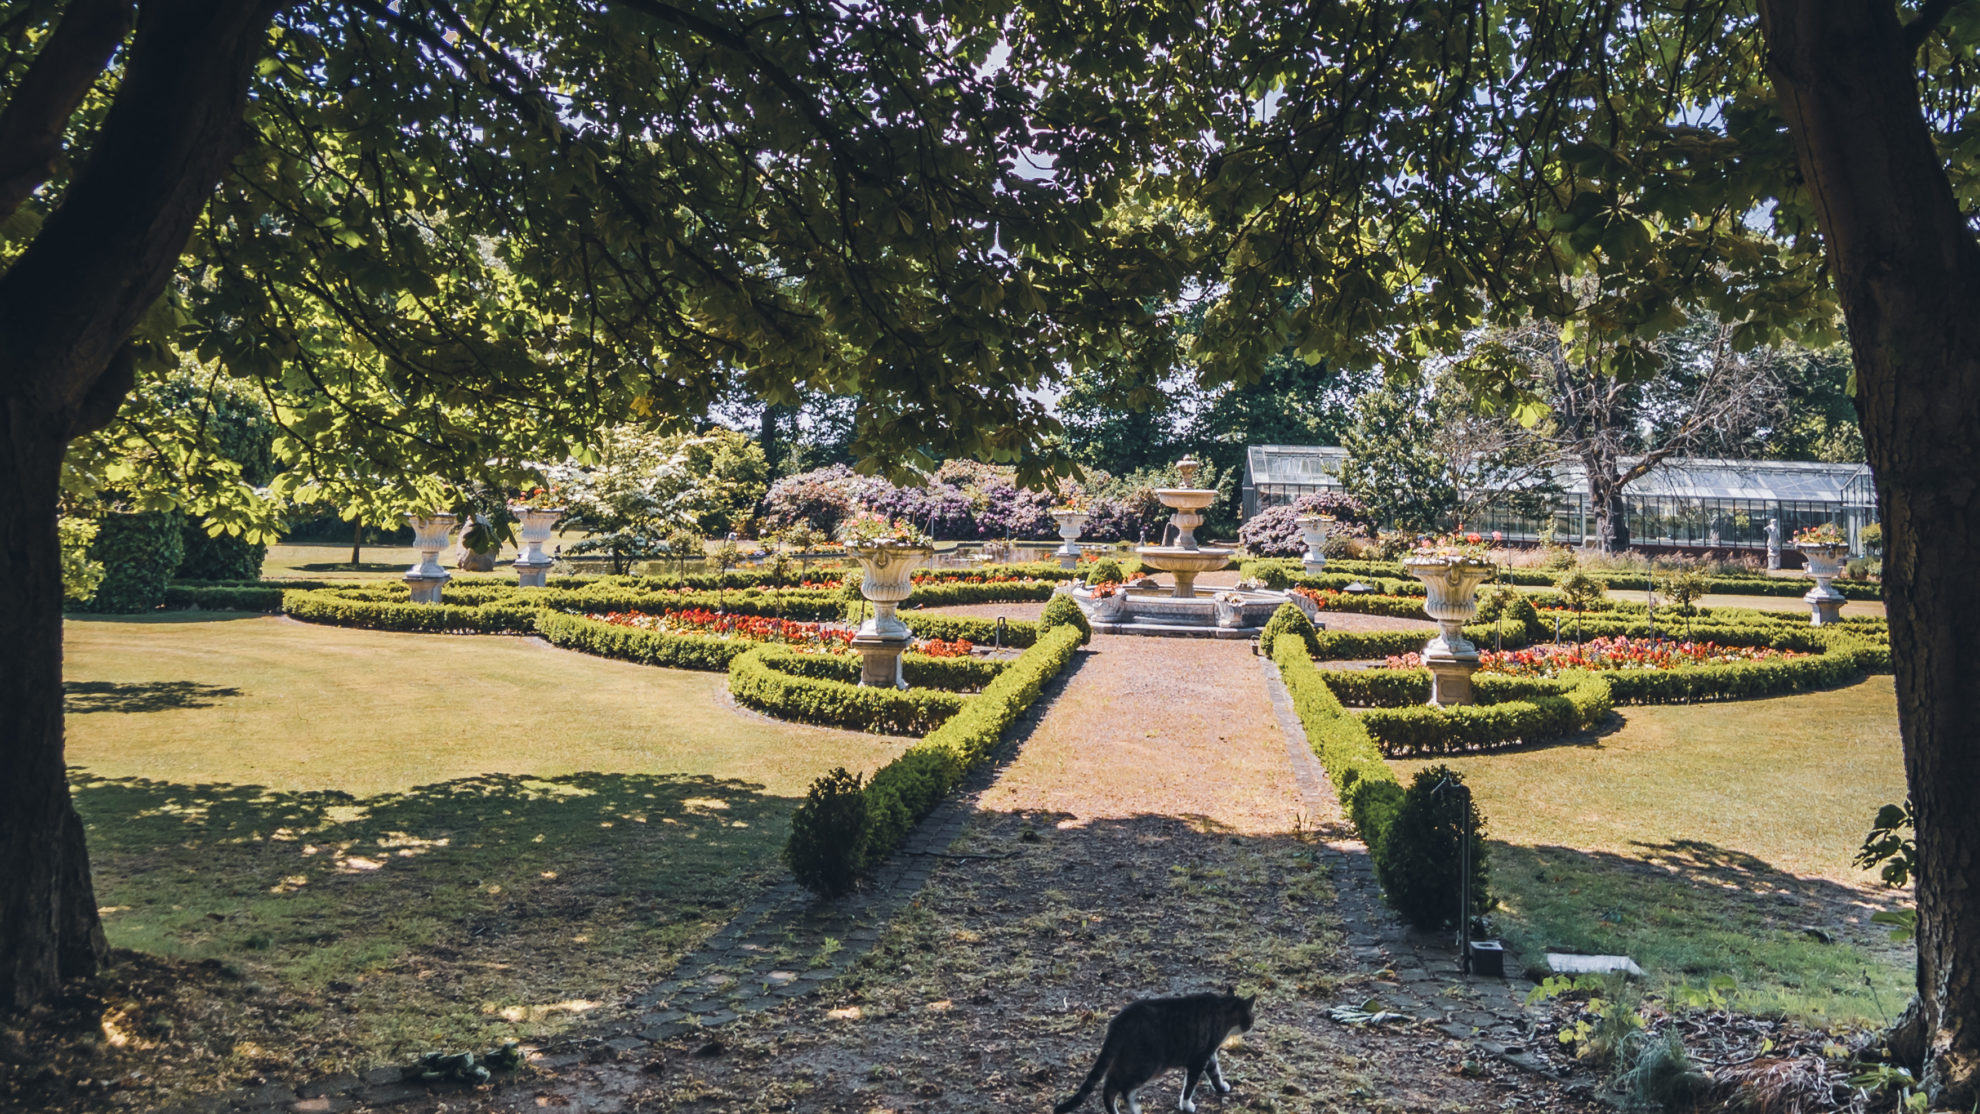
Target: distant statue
[[1773, 543]]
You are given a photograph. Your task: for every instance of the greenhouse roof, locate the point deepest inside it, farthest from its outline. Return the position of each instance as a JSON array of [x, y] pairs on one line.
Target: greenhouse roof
[[1677, 477]]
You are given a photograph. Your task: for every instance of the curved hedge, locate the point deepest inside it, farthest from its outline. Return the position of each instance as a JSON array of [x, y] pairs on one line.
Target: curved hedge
[[1017, 632], [1363, 645], [337, 609], [776, 680], [1579, 704], [647, 647]]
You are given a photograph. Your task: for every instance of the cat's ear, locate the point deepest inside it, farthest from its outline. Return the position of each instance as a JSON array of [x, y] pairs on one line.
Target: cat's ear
[[1248, 1001], [1230, 991]]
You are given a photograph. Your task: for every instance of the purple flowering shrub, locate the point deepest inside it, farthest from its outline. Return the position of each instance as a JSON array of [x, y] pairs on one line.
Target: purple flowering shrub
[[1273, 532]]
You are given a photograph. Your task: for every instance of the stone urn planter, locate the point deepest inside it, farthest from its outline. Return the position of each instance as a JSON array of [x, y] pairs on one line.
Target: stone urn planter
[[1230, 609], [426, 578], [1070, 522], [1825, 563], [1451, 583], [1111, 607], [532, 564], [1313, 531], [886, 579]]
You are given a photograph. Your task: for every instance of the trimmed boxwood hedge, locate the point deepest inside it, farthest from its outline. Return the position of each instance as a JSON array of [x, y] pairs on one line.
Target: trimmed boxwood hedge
[[784, 683], [339, 609], [1579, 705], [1717, 585], [205, 597], [983, 632], [647, 647], [1362, 645]]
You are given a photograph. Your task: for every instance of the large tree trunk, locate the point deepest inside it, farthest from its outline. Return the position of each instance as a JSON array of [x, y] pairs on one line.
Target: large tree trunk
[[67, 307], [1908, 272], [48, 925]]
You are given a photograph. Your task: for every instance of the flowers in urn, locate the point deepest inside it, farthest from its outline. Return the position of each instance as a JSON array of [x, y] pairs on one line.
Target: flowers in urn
[[1073, 500], [1824, 534], [542, 498], [868, 530], [1461, 546]]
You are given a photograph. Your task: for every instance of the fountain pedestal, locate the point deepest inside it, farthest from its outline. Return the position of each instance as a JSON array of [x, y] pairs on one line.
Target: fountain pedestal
[[1450, 597], [886, 580], [426, 578], [1825, 563], [1070, 525], [1313, 531], [532, 564]]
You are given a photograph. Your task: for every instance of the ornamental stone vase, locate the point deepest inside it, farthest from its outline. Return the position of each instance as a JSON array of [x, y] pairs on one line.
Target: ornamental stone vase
[[426, 578], [1825, 563], [1070, 525], [1111, 608], [532, 564], [1451, 597], [886, 580], [1313, 531]]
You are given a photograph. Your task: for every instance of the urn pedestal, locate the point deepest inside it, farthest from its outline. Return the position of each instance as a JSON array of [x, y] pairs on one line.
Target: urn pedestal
[[886, 580], [532, 564], [426, 578], [1451, 597], [1070, 525], [1313, 531], [1825, 563]]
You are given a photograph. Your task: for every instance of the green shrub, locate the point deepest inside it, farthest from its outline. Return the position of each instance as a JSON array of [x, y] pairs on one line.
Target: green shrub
[[956, 593], [828, 834], [80, 575], [219, 557], [1289, 621], [1271, 574], [1105, 571], [1872, 537], [1500, 602], [1419, 861], [139, 553], [1062, 611]]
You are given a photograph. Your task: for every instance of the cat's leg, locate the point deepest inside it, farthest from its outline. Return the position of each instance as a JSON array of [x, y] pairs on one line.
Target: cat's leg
[[1187, 1103], [1216, 1076], [1134, 1101], [1110, 1098]]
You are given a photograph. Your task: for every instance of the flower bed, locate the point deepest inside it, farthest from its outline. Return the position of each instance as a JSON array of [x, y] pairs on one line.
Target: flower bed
[[1603, 654], [823, 637]]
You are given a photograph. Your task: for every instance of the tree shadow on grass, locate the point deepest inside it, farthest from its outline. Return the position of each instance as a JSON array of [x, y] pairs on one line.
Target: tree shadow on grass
[[186, 615], [84, 697], [277, 877], [346, 566], [1687, 910]]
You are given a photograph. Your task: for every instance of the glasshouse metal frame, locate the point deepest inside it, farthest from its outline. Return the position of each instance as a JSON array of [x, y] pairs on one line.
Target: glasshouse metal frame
[[1684, 502]]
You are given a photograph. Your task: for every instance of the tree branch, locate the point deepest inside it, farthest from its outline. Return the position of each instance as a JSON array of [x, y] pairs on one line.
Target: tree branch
[[60, 76], [1930, 15]]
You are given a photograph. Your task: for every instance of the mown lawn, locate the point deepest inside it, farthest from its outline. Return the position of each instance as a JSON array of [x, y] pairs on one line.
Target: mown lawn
[[412, 841], [1705, 840]]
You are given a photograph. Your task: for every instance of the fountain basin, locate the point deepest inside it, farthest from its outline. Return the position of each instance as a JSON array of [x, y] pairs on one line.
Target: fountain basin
[[1160, 611], [1183, 563]]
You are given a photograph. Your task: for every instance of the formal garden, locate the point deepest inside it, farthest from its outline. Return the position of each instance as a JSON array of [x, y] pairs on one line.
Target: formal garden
[[347, 813], [636, 556]]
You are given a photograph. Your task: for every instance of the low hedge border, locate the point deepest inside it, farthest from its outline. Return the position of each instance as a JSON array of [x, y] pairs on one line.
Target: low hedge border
[[1019, 633], [647, 647], [336, 609], [1541, 578], [964, 675], [903, 791], [1510, 634], [781, 682], [1576, 706]]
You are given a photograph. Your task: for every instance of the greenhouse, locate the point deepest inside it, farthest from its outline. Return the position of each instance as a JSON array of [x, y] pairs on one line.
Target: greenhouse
[[1690, 503]]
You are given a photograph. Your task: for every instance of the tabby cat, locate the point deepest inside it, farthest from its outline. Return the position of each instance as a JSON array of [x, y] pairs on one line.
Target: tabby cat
[[1155, 1034]]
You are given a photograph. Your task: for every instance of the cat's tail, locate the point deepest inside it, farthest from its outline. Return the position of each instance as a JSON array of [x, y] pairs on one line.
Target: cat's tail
[[1100, 1065]]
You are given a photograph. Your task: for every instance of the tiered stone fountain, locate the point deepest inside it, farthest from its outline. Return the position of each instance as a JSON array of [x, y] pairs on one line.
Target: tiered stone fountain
[[1181, 608]]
